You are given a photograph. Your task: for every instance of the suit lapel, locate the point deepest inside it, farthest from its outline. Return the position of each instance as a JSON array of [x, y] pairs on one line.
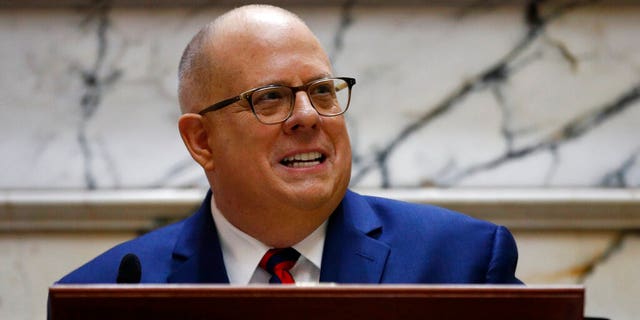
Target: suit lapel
[[197, 256], [351, 252]]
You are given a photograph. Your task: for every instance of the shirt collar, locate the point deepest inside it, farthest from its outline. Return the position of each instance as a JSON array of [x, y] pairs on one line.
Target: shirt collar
[[242, 253]]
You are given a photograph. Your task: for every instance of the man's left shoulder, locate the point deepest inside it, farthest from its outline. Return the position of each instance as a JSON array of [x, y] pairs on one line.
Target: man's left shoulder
[[442, 245], [422, 214]]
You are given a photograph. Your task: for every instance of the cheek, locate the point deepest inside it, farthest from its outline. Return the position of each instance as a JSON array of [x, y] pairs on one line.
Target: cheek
[[242, 144], [340, 137]]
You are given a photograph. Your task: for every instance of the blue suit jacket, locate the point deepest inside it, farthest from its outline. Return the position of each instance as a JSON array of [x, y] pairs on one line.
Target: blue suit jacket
[[369, 240]]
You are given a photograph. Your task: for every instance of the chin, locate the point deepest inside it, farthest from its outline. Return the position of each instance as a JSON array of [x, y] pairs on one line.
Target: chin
[[313, 199]]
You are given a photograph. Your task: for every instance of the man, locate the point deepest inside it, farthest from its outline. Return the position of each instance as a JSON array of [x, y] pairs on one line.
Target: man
[[263, 116]]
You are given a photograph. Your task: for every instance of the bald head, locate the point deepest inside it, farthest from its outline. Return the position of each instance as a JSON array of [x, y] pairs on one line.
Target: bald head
[[206, 63]]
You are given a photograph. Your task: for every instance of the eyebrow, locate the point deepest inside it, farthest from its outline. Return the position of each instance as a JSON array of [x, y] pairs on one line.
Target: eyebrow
[[284, 83]]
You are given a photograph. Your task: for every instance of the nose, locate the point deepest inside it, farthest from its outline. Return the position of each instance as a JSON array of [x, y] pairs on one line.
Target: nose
[[303, 117]]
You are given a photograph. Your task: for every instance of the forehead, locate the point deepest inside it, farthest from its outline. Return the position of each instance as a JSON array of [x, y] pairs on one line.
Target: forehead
[[265, 52]]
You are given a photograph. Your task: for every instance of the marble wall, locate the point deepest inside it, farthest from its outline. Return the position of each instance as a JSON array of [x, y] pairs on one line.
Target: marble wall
[[536, 96], [446, 96]]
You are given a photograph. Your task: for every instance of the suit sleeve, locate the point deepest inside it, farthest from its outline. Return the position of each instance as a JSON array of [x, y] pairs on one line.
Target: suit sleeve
[[504, 258]]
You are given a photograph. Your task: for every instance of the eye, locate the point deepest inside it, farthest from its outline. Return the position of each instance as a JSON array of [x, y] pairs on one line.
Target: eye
[[271, 102], [268, 96], [325, 88]]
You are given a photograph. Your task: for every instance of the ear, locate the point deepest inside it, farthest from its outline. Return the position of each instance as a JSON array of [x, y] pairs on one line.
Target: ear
[[195, 136]]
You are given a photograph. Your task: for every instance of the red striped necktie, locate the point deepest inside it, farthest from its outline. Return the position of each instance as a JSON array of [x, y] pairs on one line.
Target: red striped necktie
[[278, 262]]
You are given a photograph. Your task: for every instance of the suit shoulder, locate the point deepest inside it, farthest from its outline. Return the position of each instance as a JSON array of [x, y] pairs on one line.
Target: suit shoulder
[[154, 250], [418, 213], [439, 245]]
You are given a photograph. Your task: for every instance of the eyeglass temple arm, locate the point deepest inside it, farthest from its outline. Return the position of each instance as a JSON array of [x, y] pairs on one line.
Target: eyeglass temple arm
[[220, 105], [348, 82], [341, 86]]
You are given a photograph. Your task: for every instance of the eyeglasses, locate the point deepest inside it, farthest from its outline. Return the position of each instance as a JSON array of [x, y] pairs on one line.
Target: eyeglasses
[[273, 104]]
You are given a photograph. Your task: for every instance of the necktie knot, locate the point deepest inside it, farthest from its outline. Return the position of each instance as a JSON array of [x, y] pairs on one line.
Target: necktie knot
[[278, 262]]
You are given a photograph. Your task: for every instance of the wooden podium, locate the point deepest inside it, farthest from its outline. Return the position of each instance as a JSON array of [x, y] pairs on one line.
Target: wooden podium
[[327, 302]]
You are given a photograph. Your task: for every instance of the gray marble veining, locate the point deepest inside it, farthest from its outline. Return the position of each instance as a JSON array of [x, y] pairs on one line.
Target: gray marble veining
[[544, 94]]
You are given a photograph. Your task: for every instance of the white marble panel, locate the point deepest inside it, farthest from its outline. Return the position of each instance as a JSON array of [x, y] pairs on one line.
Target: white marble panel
[[613, 286], [30, 263], [560, 257], [605, 262], [446, 96], [554, 106]]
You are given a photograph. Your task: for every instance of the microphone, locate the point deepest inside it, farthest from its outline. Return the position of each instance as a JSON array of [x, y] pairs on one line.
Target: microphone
[[130, 270]]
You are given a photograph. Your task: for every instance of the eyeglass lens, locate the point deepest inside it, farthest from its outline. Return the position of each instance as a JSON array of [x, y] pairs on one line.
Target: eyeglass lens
[[274, 104]]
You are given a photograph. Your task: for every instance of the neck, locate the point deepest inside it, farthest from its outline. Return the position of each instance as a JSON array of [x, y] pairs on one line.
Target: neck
[[277, 228]]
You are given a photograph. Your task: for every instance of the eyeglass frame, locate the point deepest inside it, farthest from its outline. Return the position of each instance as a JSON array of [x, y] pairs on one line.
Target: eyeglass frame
[[294, 90]]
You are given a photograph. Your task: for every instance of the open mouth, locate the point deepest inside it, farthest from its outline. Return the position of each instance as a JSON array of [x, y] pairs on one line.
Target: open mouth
[[303, 160]]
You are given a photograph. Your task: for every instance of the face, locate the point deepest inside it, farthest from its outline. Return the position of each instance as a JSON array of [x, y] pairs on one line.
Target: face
[[300, 165]]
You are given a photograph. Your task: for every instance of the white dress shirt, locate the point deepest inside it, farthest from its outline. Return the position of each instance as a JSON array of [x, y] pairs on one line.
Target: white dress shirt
[[242, 253]]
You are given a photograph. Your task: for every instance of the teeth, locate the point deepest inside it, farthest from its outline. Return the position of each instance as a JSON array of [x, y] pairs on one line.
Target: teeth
[[303, 160], [304, 164], [304, 157]]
